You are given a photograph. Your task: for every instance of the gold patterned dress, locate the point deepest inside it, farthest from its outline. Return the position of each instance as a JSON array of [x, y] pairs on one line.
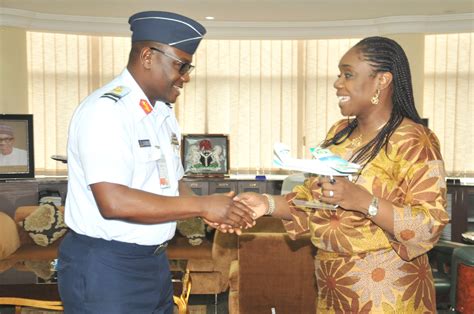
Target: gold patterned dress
[[360, 268]]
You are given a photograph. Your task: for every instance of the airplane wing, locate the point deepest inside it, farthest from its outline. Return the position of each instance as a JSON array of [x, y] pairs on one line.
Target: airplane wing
[[325, 164]]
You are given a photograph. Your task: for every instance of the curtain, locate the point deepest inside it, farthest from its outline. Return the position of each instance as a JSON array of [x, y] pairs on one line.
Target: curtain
[[62, 70], [248, 90], [258, 92], [449, 98], [320, 104], [263, 91]]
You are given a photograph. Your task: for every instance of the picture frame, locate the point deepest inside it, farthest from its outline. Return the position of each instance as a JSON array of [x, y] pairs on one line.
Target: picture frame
[[205, 155], [16, 146]]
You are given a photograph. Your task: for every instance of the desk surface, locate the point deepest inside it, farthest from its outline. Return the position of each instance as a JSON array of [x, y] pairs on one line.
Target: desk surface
[[29, 279], [38, 280]]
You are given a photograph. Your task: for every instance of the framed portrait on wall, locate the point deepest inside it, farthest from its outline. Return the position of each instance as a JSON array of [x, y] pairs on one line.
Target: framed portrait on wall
[[16, 146], [205, 154]]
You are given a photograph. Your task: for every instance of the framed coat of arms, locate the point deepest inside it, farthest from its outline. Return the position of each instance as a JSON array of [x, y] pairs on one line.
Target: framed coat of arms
[[205, 154]]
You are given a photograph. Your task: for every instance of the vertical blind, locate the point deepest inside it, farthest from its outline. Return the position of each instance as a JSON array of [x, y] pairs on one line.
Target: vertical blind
[[263, 91], [449, 98], [248, 90], [256, 91]]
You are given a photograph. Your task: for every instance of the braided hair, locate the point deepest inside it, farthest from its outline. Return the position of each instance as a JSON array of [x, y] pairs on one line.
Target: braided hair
[[383, 55]]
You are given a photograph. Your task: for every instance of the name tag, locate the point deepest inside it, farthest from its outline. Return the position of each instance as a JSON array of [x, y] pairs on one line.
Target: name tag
[[144, 143], [163, 172]]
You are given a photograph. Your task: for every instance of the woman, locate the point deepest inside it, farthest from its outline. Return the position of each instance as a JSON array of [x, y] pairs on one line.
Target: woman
[[371, 254]]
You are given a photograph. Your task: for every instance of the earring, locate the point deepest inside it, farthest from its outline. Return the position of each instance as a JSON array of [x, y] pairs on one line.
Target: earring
[[375, 99]]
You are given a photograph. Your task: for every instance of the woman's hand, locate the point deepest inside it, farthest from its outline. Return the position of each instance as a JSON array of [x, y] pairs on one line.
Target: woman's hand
[[258, 203], [221, 209], [342, 192]]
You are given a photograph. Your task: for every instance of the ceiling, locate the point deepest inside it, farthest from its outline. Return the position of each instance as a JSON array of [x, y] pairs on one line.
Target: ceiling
[[250, 19], [250, 10]]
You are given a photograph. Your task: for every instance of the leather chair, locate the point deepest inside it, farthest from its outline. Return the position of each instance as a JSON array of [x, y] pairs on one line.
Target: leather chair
[[208, 263], [453, 273], [462, 279], [273, 272], [440, 260]]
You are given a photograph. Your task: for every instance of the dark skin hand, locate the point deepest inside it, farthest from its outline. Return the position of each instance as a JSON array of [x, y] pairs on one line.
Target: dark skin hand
[[350, 196], [159, 77], [184, 189], [117, 201], [228, 228], [259, 205], [344, 193]]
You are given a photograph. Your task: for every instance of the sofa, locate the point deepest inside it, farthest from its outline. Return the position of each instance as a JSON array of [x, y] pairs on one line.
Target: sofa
[[16, 245], [208, 263]]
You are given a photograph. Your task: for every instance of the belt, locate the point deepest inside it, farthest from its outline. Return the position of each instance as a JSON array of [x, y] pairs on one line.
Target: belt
[[160, 248], [122, 247]]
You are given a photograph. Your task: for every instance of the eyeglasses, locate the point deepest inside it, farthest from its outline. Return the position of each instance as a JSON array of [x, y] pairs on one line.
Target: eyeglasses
[[6, 140], [185, 67]]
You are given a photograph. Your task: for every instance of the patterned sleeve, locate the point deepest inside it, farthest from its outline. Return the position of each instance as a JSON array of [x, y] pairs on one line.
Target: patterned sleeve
[[299, 223], [420, 217]]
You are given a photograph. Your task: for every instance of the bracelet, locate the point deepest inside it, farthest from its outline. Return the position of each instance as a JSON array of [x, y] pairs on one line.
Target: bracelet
[[271, 204]]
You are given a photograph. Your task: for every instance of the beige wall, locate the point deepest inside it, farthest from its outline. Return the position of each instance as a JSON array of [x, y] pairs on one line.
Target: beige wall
[[14, 84], [13, 73]]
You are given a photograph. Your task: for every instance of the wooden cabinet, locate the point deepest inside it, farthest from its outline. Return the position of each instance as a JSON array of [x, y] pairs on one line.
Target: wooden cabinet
[[16, 193], [199, 187], [252, 186], [222, 186], [25, 192], [204, 186], [274, 187], [461, 211]]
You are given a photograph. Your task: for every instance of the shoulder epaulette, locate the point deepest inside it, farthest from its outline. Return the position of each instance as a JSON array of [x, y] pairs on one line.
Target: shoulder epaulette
[[116, 93]]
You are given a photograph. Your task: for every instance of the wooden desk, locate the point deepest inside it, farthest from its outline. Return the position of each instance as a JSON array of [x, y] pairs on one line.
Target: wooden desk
[[20, 286]]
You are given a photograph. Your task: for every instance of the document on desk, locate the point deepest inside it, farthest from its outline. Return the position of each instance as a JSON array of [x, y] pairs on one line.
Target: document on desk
[[324, 162]]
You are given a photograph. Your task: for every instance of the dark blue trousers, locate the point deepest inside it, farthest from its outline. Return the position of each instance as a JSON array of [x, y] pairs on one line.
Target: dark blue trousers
[[111, 277]]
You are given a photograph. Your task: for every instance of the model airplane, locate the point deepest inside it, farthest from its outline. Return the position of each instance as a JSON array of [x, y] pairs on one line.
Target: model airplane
[[324, 162]]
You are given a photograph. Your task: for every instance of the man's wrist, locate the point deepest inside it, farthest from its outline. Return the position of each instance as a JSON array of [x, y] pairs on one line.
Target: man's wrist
[[199, 203]]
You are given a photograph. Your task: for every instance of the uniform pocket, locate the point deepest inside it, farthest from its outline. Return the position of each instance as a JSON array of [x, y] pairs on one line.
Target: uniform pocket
[[148, 154]]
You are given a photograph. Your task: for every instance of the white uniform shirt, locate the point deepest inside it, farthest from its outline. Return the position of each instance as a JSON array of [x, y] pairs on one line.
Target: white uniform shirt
[[18, 157], [118, 142]]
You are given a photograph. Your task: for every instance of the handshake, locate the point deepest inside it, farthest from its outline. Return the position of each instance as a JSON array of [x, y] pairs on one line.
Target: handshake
[[232, 213]]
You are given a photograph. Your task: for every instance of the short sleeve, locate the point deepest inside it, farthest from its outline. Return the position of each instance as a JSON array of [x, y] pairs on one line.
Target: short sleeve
[[104, 144]]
